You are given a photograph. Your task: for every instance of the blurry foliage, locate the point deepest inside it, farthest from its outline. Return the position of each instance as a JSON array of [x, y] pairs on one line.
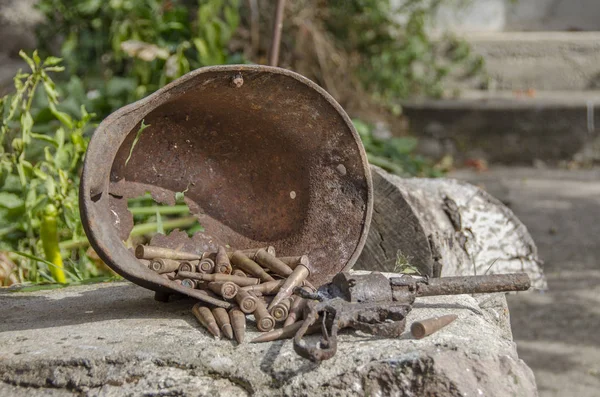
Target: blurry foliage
[[118, 51], [374, 47], [39, 171], [395, 154]]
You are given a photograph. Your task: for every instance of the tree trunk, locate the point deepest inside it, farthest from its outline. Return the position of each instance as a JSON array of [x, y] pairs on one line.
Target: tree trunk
[[445, 227]]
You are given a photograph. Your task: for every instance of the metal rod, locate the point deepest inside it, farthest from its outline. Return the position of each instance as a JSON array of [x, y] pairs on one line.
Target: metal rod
[[277, 26]]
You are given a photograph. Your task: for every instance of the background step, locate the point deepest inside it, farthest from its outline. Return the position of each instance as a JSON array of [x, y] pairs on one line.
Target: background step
[[540, 60], [509, 126]]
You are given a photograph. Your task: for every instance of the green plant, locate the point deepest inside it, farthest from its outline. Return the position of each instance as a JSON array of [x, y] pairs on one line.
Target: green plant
[[118, 51], [397, 56], [39, 204], [41, 155], [395, 154]]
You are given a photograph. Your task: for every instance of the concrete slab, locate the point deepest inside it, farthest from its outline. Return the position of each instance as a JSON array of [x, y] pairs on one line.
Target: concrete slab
[[507, 127], [114, 339], [540, 60], [556, 332]]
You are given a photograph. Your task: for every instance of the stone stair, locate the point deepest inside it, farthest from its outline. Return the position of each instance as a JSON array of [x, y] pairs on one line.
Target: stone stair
[[540, 103]]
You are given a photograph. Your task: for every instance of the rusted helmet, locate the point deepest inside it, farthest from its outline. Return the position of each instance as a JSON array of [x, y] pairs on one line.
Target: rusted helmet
[[263, 155]]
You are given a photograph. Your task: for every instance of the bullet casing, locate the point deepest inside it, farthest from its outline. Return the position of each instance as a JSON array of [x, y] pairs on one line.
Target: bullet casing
[[161, 265], [264, 321], [206, 265], [276, 266], [169, 276], [145, 262], [238, 323], [208, 293], [209, 255], [238, 272], [421, 329], [280, 311], [222, 264], [268, 288], [296, 310], [299, 274], [188, 282], [251, 252], [206, 318], [226, 289], [286, 332], [188, 266], [223, 322], [293, 261], [249, 266], [151, 252], [246, 301], [240, 281]]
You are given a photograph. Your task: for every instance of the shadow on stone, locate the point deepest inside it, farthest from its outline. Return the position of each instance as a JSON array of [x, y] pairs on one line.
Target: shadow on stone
[[113, 302]]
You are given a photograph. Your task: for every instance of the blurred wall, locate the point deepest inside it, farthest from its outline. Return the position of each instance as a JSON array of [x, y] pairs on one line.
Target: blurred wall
[[518, 15]]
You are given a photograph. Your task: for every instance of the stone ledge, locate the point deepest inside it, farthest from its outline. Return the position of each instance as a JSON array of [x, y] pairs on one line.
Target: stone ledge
[[114, 339]]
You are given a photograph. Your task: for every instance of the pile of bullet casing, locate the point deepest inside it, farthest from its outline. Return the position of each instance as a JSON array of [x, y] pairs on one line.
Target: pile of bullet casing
[[254, 281]]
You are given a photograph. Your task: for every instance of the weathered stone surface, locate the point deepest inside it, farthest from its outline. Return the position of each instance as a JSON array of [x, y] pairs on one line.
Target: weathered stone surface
[[114, 339], [472, 232]]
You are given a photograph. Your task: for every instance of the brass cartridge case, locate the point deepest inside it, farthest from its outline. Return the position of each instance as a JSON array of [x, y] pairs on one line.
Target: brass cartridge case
[[188, 266], [280, 311], [246, 301], [145, 262], [164, 265], [208, 293], [238, 272], [240, 281], [264, 321], [421, 329], [188, 282], [206, 265], [270, 262], [222, 264], [293, 261], [268, 288], [151, 252], [296, 310], [299, 274], [249, 266], [226, 289], [222, 318], [251, 252], [286, 332], [206, 318], [238, 323], [169, 276]]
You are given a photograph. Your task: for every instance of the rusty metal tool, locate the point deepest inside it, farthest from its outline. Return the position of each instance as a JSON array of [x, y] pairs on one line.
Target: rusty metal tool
[[377, 305]]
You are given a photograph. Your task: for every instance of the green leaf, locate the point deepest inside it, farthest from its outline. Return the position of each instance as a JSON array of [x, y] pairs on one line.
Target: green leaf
[[55, 69], [29, 61], [40, 174], [404, 145], [64, 118], [52, 61], [26, 124], [50, 187], [42, 260], [44, 138], [10, 201], [136, 139]]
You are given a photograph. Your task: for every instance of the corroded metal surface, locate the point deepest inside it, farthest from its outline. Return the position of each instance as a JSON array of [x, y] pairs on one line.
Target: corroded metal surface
[[377, 305], [259, 164]]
